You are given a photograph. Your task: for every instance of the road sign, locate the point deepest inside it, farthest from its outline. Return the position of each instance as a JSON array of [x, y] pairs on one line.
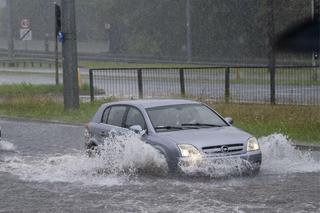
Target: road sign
[[25, 34], [25, 23], [107, 26], [61, 37]]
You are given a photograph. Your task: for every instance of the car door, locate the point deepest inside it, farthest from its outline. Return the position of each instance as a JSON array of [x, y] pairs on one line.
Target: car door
[[134, 117], [112, 119]]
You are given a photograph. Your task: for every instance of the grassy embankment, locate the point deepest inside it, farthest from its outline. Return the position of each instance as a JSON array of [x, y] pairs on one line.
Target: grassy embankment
[[41, 102], [301, 123]]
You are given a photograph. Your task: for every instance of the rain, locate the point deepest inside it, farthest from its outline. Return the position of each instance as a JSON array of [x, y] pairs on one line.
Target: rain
[[230, 55]]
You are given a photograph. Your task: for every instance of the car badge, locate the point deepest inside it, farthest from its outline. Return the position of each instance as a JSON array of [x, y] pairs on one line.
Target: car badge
[[224, 149]]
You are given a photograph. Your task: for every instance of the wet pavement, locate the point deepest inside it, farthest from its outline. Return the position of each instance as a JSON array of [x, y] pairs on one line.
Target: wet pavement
[[43, 168]]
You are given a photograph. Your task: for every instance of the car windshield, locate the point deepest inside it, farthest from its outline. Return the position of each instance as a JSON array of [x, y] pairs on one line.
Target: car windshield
[[180, 117]]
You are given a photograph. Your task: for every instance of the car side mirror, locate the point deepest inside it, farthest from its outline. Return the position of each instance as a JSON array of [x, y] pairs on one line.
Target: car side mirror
[[229, 120], [137, 129]]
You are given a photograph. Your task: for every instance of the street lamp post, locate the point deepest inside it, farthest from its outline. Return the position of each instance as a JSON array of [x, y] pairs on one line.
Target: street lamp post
[[188, 25]]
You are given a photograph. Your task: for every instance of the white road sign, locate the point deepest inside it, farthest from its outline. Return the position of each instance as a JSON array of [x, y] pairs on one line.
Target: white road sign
[[25, 34], [25, 23]]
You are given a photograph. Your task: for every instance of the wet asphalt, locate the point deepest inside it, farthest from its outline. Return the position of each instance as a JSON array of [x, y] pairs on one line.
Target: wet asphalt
[[43, 168]]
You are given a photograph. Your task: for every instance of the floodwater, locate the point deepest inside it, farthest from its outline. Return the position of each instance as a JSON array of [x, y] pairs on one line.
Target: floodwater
[[43, 168]]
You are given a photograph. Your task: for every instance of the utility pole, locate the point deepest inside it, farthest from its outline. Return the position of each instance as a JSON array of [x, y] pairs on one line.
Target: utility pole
[[69, 54], [10, 31], [188, 25]]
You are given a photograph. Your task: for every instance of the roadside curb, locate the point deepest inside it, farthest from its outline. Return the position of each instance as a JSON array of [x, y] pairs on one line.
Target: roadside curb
[[309, 147], [17, 119]]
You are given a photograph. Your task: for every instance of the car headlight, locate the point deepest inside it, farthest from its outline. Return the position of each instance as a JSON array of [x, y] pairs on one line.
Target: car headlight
[[189, 151], [252, 144]]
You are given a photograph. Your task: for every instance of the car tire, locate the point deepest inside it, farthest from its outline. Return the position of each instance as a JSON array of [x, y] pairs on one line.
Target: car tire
[[92, 150], [255, 169], [171, 169]]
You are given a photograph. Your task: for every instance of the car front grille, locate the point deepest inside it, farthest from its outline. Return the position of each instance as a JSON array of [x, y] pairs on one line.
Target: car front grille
[[223, 149]]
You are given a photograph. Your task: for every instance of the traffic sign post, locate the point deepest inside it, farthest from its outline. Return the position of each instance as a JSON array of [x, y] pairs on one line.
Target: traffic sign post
[[10, 32], [57, 29]]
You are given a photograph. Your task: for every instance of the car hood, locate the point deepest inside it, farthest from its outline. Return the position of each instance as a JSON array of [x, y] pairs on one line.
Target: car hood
[[207, 136]]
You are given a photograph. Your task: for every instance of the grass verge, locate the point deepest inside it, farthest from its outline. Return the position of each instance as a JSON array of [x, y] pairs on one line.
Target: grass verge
[[23, 89], [44, 108], [299, 123]]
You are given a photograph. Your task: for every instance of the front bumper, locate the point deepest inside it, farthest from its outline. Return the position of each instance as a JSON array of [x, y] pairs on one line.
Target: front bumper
[[253, 157]]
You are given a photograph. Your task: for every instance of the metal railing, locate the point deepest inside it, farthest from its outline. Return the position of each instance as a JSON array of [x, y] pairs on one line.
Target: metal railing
[[291, 85], [28, 62]]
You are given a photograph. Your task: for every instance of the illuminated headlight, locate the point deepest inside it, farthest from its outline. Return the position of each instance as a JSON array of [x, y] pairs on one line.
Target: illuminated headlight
[[189, 151], [252, 144]]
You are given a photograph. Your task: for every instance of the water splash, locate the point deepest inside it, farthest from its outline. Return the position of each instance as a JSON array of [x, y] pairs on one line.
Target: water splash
[[7, 146], [125, 156], [127, 153], [71, 168], [121, 157], [279, 156]]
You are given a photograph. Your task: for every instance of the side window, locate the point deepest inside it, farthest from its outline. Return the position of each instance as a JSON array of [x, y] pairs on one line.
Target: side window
[[105, 115], [116, 115], [135, 117]]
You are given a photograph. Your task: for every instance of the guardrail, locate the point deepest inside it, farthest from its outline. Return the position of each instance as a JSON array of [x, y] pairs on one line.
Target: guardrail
[[136, 58], [29, 62], [287, 85]]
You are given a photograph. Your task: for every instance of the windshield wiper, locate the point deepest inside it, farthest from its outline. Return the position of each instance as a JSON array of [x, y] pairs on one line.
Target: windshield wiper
[[168, 127], [200, 124]]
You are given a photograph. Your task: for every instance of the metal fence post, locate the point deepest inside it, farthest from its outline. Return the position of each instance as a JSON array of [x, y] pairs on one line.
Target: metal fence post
[[140, 85], [271, 50], [91, 85], [272, 84], [182, 85], [227, 85]]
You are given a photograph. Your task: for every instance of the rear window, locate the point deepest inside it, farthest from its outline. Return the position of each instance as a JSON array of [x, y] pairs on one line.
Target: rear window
[[116, 115]]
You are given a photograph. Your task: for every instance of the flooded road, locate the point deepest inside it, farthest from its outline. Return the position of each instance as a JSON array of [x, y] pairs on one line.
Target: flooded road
[[43, 168]]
